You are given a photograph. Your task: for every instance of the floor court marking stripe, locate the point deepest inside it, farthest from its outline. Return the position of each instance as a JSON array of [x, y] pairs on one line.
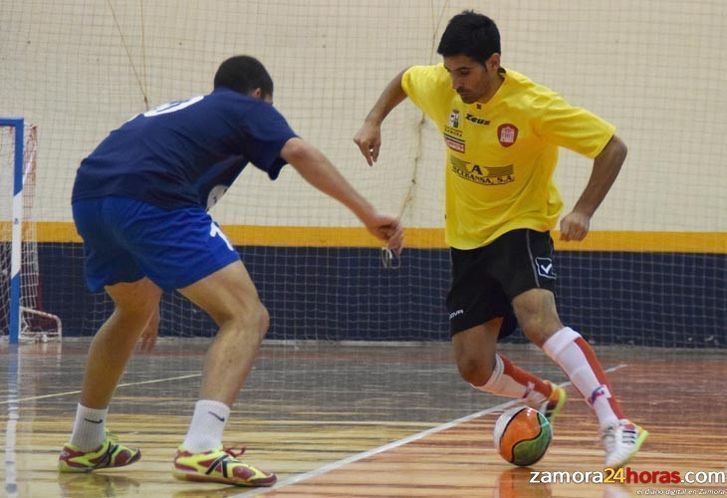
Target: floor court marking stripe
[[389, 446], [127, 384]]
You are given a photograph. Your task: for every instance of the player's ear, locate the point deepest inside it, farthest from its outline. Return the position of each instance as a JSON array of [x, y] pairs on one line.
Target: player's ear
[[493, 62], [259, 94]]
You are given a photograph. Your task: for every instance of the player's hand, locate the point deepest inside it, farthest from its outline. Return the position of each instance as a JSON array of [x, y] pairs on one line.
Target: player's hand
[[574, 226], [148, 338], [387, 228], [368, 139]]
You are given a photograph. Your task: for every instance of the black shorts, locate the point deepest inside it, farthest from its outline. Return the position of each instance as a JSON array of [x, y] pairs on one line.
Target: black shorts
[[486, 280]]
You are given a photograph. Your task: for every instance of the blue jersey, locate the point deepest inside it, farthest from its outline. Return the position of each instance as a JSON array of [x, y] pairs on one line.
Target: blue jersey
[[185, 153]]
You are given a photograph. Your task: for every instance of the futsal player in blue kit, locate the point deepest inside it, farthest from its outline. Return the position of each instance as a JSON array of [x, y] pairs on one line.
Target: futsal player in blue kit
[[140, 204]]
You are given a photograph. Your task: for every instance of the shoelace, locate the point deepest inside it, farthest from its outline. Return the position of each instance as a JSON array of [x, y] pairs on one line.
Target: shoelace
[[628, 435], [234, 451], [608, 437]]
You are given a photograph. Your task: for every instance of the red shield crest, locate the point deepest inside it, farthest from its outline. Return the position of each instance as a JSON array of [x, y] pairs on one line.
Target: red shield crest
[[507, 134]]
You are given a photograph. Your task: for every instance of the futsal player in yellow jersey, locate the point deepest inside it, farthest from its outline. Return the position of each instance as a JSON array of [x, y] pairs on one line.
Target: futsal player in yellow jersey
[[502, 133]]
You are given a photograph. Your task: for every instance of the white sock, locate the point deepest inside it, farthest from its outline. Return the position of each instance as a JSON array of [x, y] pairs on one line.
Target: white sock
[[207, 426], [89, 428], [567, 351], [502, 384]]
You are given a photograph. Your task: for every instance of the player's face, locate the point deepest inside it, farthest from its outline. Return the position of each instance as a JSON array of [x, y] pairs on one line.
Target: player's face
[[470, 79]]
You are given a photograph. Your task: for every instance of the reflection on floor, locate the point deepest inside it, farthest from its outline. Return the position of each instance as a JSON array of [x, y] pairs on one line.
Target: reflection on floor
[[354, 421]]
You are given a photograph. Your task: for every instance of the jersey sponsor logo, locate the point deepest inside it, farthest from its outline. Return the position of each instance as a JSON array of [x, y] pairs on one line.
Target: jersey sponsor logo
[[456, 144], [483, 175], [507, 134], [453, 133], [454, 118], [474, 119], [545, 267]]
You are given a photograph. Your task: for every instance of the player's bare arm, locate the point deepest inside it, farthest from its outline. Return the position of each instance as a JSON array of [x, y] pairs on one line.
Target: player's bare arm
[[317, 170], [606, 167], [368, 137]]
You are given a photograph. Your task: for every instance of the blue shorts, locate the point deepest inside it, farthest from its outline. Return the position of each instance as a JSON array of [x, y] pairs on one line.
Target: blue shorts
[[125, 240]]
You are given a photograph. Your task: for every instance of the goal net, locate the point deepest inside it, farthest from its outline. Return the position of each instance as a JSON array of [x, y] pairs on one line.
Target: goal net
[[651, 272], [34, 324]]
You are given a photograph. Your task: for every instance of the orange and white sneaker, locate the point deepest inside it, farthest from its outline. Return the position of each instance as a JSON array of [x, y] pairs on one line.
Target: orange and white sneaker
[[554, 404], [621, 442], [110, 454], [219, 465]]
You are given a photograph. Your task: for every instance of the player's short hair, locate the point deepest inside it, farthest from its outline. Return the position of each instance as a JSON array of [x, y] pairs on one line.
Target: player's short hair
[[244, 74], [471, 34]]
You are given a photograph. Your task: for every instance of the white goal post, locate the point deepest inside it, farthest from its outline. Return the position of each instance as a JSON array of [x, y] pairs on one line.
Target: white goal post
[[20, 315]]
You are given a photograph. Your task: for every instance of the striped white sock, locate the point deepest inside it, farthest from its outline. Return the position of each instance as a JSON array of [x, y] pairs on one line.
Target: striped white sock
[[513, 382], [573, 354]]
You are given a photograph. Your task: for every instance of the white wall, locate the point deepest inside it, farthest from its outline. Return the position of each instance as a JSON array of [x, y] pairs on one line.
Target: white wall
[[656, 69]]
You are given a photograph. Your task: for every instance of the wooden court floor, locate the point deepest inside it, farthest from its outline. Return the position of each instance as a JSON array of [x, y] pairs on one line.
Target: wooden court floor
[[360, 421]]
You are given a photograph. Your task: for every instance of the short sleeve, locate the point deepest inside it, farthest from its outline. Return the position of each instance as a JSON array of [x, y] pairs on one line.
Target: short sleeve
[[574, 128], [266, 132], [426, 87]]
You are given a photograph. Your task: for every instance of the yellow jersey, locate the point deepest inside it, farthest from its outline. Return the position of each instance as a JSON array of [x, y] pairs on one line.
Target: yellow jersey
[[501, 154]]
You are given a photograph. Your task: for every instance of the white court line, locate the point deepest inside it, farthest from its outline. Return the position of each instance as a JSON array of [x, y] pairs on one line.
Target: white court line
[[395, 444], [67, 393]]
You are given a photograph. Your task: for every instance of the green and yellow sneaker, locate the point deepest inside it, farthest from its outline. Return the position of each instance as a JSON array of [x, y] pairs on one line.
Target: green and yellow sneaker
[[219, 465], [554, 404], [109, 454]]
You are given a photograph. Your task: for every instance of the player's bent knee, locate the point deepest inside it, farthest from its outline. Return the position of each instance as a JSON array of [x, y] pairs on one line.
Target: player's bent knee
[[537, 315], [539, 331], [142, 314], [257, 318], [475, 371], [530, 330], [251, 321], [263, 320]]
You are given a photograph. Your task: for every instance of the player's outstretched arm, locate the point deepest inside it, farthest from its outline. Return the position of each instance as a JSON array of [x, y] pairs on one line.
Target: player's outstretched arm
[[606, 167], [319, 172], [368, 137]]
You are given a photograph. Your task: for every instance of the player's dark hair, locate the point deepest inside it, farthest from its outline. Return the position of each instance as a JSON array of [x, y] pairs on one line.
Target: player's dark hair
[[244, 74], [471, 34]]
